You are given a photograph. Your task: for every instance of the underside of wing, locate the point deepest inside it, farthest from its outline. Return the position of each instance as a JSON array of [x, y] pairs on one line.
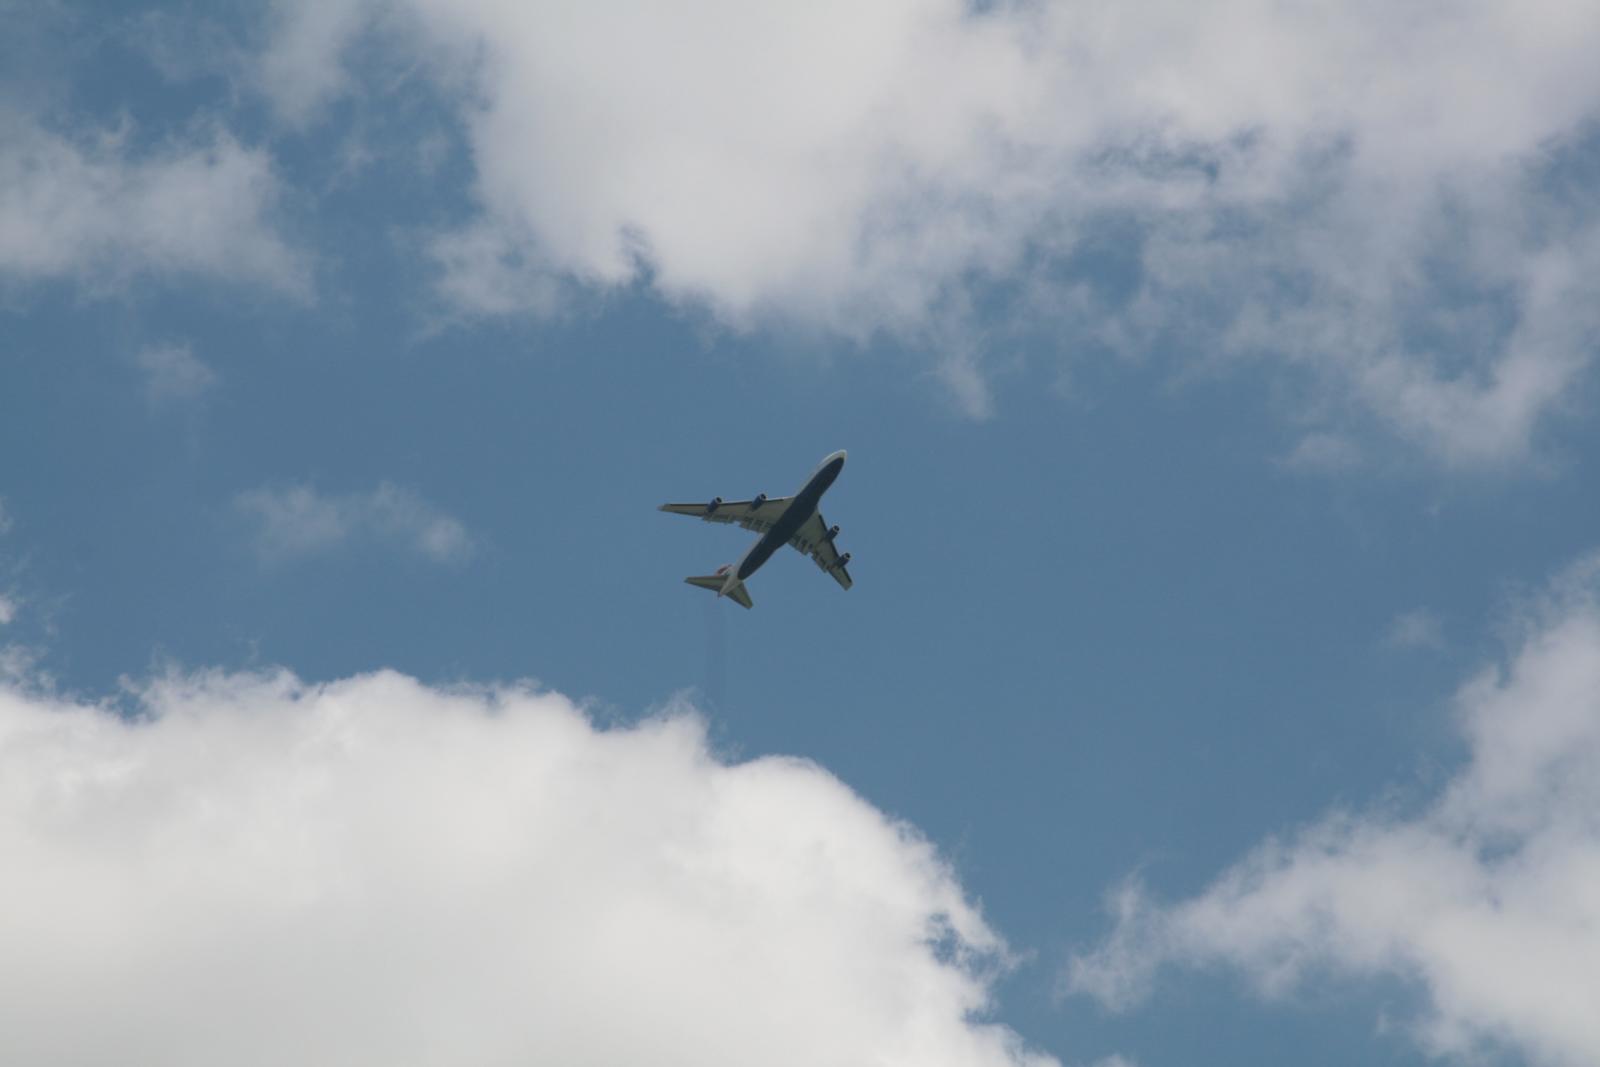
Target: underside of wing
[[757, 515], [816, 539]]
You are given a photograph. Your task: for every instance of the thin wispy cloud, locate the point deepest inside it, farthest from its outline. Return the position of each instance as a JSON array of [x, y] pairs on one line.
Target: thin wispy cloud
[[1324, 453], [9, 603], [173, 373], [1484, 899], [299, 521], [1419, 628], [16, 660], [19, 667], [373, 871]]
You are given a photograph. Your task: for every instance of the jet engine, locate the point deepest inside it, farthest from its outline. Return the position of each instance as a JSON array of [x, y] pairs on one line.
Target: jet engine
[[833, 531], [761, 498], [843, 560], [711, 508]]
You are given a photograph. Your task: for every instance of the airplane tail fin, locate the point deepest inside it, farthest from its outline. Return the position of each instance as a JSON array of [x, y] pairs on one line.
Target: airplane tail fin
[[739, 595]]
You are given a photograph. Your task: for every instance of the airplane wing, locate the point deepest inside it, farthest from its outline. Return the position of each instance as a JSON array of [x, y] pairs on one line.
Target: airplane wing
[[813, 541], [758, 517]]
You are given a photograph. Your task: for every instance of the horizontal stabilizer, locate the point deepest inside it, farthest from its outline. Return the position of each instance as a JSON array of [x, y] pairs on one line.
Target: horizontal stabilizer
[[713, 582]]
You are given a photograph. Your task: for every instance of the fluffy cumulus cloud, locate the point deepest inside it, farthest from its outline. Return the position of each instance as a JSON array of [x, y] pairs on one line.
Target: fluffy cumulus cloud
[[1485, 899], [298, 520], [87, 207], [247, 869], [1391, 197]]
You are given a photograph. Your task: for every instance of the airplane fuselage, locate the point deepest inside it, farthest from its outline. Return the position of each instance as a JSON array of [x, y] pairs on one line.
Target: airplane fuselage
[[796, 515]]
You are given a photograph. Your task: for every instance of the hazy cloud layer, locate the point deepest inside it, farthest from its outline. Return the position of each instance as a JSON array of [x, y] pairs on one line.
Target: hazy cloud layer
[[1485, 899], [83, 206], [298, 520], [1387, 196], [251, 870]]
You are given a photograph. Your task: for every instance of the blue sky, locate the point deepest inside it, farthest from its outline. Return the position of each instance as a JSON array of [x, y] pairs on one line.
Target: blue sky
[[1217, 389]]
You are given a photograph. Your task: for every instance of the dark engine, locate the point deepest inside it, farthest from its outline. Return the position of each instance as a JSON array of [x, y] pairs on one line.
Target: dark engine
[[761, 498], [711, 508], [833, 531]]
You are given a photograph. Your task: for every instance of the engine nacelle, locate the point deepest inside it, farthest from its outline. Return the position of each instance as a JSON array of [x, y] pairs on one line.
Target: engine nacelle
[[843, 560], [761, 498], [833, 531], [711, 508]]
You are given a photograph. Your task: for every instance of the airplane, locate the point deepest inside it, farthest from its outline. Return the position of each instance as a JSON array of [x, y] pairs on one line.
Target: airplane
[[792, 519]]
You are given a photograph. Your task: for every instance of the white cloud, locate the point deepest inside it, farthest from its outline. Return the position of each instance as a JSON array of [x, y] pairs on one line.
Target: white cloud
[[173, 373], [1485, 898], [1356, 189], [251, 870], [89, 208], [302, 67], [8, 609], [298, 520]]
